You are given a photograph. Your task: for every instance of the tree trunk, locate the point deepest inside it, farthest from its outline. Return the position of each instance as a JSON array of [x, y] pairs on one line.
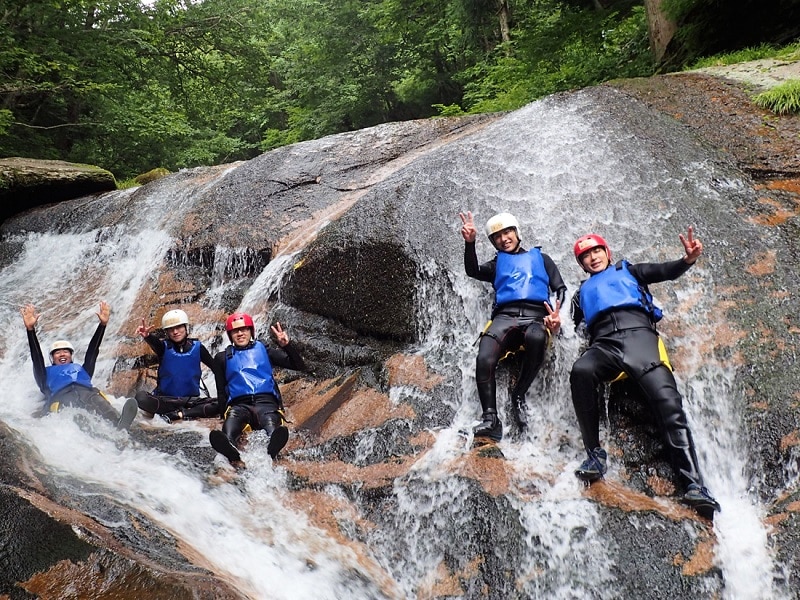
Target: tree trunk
[[504, 14], [660, 27]]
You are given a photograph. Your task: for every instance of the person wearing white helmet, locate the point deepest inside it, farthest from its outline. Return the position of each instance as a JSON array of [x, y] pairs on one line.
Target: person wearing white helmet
[[522, 315], [177, 395], [66, 383], [615, 310]]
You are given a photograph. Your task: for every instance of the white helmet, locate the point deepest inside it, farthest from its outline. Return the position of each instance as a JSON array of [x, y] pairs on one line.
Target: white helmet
[[62, 345], [173, 318], [499, 222]]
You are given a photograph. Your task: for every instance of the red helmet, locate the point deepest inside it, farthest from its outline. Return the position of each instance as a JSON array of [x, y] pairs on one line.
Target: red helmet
[[587, 242], [237, 320]]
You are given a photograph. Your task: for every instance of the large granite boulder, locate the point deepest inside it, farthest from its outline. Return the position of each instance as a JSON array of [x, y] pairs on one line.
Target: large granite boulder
[[27, 182]]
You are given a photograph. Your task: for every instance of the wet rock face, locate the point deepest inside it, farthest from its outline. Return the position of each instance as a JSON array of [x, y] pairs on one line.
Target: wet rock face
[[368, 288]]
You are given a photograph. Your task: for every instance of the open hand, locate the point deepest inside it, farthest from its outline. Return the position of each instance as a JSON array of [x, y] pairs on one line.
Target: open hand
[[104, 313], [29, 316]]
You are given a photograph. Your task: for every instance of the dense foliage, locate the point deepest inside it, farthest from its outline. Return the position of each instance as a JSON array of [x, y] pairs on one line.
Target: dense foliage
[[134, 84]]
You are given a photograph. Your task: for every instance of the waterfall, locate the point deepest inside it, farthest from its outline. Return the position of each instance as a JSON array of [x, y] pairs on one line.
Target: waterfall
[[250, 532]]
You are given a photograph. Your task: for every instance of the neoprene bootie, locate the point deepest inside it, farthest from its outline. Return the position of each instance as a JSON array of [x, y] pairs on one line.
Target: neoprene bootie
[[489, 427], [519, 410], [594, 467]]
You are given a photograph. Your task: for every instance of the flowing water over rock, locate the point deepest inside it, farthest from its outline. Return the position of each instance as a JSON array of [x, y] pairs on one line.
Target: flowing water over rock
[[353, 243]]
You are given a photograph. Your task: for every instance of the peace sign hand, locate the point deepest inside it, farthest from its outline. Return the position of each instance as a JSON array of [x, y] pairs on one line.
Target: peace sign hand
[[553, 320], [280, 334], [693, 247], [468, 231], [143, 330]]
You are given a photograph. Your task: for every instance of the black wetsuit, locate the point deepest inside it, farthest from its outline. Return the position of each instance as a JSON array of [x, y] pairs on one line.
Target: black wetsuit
[[514, 324], [626, 340], [259, 411], [190, 407], [74, 394]]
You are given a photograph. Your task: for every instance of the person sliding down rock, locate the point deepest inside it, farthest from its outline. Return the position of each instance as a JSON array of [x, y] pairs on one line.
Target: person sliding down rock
[[620, 321], [522, 315], [246, 389], [65, 382], [177, 393]]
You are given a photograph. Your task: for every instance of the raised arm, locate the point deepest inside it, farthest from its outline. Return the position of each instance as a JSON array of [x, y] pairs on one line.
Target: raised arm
[[30, 317], [93, 350]]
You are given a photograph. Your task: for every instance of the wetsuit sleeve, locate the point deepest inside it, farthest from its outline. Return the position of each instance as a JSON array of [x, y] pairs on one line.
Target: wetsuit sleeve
[[484, 272], [206, 358], [648, 273], [221, 381], [288, 357], [557, 284], [94, 349], [39, 368], [155, 345], [575, 310]]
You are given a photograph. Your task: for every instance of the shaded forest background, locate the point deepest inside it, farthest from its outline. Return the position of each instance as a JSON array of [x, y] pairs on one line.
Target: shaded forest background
[[131, 85]]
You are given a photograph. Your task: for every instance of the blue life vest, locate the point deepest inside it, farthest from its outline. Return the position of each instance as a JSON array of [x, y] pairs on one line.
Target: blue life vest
[[60, 376], [521, 276], [615, 288], [248, 371], [179, 372]]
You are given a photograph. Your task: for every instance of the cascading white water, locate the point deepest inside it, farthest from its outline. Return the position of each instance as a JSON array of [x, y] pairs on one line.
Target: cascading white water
[[245, 532], [248, 531], [568, 170]]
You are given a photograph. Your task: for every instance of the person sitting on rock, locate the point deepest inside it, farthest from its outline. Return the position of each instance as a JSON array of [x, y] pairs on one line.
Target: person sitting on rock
[[66, 383], [620, 321], [177, 394], [246, 389], [521, 316]]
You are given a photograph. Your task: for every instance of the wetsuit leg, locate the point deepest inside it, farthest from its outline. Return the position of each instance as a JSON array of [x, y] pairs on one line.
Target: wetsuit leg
[[201, 408], [493, 345], [535, 342], [271, 421], [158, 405], [88, 399], [661, 390], [238, 417], [600, 362]]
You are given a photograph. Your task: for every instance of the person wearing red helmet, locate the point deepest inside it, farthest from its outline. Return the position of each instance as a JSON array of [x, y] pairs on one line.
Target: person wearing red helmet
[[66, 383], [177, 394], [522, 314], [246, 389], [616, 308]]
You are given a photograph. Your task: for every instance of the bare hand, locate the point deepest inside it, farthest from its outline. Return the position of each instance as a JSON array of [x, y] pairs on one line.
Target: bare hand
[[29, 316], [280, 334], [553, 320], [468, 231], [143, 330], [692, 246], [104, 313]]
